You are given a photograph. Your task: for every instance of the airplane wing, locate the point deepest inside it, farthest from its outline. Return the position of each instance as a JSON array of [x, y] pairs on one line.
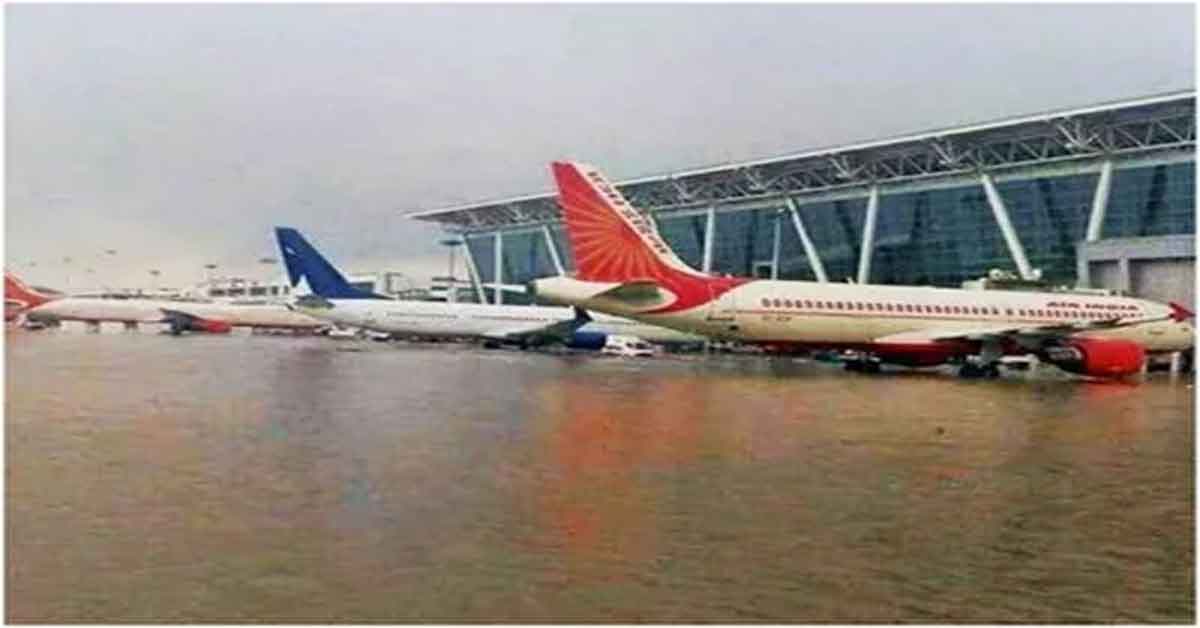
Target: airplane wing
[[181, 321], [558, 330]]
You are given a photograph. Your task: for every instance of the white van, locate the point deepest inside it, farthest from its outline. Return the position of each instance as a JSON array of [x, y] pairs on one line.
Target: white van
[[627, 347]]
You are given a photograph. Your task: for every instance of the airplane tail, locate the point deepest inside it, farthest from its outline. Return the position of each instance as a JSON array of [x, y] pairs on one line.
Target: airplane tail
[[21, 295], [615, 243], [303, 262]]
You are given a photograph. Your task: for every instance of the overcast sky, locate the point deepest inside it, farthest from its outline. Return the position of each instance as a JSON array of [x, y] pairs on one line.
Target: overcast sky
[[179, 135]]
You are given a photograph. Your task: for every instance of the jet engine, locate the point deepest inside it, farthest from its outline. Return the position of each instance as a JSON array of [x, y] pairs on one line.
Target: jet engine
[[180, 322], [590, 340], [211, 327], [1096, 357]]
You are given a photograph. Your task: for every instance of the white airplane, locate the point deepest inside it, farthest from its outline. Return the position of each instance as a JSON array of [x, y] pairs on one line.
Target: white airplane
[[333, 299], [625, 268], [179, 316]]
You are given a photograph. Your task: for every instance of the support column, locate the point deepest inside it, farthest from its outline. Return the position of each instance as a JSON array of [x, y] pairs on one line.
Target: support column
[[1083, 269], [1176, 363], [1123, 278], [558, 267], [776, 245], [709, 226], [810, 250], [868, 238], [1006, 229], [1100, 202], [473, 271], [498, 271]]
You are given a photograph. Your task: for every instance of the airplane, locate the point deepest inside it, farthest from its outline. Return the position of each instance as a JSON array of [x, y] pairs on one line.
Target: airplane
[[625, 268], [331, 297], [19, 298], [179, 316]]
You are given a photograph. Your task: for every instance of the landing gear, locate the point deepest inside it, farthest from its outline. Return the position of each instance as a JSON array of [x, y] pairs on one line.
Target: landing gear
[[862, 364], [971, 370]]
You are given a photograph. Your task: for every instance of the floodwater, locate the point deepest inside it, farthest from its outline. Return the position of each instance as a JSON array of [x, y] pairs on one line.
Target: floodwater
[[236, 479]]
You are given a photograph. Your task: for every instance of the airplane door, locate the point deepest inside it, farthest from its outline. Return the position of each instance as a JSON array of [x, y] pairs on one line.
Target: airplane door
[[724, 311]]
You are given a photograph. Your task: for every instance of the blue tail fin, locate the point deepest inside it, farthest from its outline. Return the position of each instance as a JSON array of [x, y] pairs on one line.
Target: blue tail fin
[[304, 262]]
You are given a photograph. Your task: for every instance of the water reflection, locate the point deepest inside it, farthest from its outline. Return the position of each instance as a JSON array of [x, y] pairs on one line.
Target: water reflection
[[239, 479]]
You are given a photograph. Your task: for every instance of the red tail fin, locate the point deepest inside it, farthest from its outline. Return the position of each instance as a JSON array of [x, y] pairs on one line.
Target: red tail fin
[[16, 292], [614, 242]]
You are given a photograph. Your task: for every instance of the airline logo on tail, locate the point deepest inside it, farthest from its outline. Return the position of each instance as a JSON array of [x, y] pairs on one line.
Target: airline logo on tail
[[614, 242], [21, 295], [304, 263]]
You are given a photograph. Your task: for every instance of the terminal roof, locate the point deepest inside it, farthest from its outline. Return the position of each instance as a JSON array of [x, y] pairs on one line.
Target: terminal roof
[[1153, 123]]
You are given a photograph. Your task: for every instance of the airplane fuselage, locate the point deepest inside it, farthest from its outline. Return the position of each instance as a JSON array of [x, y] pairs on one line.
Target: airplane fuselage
[[138, 310], [857, 316], [434, 318]]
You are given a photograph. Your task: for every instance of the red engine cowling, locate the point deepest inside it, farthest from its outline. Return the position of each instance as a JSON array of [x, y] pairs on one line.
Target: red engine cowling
[[1097, 358], [211, 327]]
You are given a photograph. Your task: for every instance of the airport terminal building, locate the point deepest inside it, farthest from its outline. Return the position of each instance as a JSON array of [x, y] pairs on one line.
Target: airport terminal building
[[1099, 197]]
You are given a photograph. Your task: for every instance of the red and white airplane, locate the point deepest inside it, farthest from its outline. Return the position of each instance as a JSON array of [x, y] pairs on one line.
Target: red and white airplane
[[18, 297], [179, 316], [625, 268]]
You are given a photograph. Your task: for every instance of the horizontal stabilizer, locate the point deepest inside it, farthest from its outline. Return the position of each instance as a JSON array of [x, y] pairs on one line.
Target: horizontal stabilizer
[[644, 292]]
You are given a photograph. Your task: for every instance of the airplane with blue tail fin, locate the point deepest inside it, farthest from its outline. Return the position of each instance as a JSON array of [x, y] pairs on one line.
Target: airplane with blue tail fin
[[323, 292]]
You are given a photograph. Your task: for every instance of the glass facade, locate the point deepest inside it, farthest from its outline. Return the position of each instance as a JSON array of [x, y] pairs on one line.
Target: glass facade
[[793, 263], [937, 236], [836, 230], [1051, 215], [685, 234], [744, 241], [565, 254], [483, 251], [1150, 201]]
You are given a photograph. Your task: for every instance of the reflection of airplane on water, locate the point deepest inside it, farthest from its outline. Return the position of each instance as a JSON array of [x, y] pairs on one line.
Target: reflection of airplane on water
[[180, 316], [625, 268], [335, 300]]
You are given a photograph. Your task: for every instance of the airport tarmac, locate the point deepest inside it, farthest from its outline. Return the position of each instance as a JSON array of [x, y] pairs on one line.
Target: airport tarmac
[[235, 479]]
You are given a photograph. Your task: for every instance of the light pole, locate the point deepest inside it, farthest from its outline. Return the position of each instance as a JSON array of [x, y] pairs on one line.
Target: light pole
[[154, 272]]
